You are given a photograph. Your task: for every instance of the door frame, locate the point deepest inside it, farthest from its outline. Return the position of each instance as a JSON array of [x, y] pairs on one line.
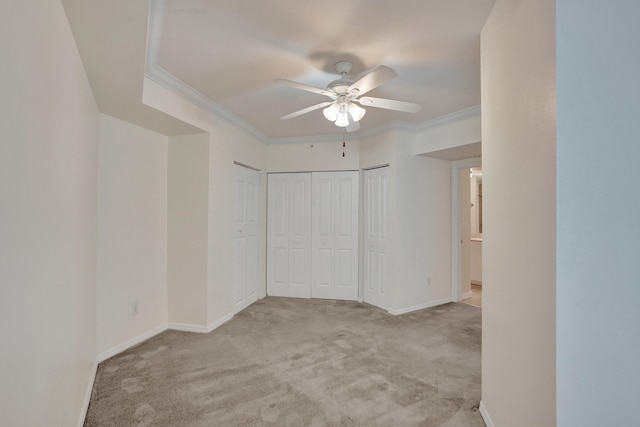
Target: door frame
[[269, 237], [259, 237], [358, 206], [351, 243], [363, 212], [473, 162]]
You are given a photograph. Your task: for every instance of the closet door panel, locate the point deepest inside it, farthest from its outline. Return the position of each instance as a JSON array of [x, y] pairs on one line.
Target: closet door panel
[[376, 238], [289, 235], [245, 238], [335, 235]]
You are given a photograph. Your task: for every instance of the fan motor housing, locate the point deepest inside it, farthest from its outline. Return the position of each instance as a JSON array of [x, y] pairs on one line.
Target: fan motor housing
[[340, 86]]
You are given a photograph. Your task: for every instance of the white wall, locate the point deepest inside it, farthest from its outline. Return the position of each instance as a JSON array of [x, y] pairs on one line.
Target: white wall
[[313, 157], [132, 234], [211, 193], [419, 219], [598, 230], [229, 145], [454, 130], [423, 227], [518, 163], [475, 260], [377, 150], [48, 174], [188, 186]]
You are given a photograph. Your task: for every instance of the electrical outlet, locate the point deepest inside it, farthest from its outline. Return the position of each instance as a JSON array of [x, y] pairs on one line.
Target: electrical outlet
[[134, 308], [429, 281]]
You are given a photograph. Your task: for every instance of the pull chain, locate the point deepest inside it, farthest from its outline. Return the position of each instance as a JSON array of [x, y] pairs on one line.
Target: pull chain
[[344, 143]]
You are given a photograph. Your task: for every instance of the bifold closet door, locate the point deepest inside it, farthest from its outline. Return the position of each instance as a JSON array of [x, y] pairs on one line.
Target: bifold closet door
[[289, 235], [376, 237], [245, 238], [335, 235]]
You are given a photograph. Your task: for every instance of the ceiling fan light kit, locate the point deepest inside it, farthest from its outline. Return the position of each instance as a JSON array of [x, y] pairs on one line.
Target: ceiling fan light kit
[[343, 110], [331, 112]]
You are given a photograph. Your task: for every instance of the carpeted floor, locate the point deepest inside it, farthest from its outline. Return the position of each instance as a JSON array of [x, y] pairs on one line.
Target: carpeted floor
[[297, 362], [476, 296]]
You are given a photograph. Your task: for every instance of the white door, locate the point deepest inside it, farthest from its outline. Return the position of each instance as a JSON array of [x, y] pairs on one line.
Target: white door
[[289, 235], [335, 235], [245, 238], [376, 237]]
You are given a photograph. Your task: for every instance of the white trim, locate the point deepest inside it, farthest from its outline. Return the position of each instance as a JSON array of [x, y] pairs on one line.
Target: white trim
[[155, 21], [485, 415], [448, 118], [247, 166], [473, 162], [419, 307], [167, 80], [466, 295], [317, 139], [174, 84], [384, 165], [130, 343], [455, 223], [87, 395], [187, 327]]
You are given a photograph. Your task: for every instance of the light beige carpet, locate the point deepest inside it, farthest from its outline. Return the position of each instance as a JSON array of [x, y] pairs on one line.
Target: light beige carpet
[[296, 362]]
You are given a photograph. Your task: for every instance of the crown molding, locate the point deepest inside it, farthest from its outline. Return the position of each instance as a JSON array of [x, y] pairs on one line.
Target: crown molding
[[170, 82], [174, 84], [317, 139], [155, 23], [420, 127], [447, 118]]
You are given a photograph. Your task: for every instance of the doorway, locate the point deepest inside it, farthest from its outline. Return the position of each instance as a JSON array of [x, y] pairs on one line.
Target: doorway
[[462, 227], [475, 241]]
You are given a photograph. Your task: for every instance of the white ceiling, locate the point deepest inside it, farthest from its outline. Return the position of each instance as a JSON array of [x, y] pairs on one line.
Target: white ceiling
[[230, 51]]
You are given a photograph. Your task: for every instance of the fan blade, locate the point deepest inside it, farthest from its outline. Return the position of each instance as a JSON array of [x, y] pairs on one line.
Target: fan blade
[[306, 110], [306, 87], [379, 75], [390, 104]]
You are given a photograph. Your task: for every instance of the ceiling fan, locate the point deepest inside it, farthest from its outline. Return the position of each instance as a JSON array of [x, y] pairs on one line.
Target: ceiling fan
[[346, 94]]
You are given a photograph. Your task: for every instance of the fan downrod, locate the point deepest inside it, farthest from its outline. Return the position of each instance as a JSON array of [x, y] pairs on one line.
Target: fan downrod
[[341, 85], [343, 67]]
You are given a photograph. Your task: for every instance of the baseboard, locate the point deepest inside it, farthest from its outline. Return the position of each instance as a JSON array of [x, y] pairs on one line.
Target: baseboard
[[130, 343], [419, 306], [219, 322], [466, 295], [187, 327], [485, 415], [87, 395]]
